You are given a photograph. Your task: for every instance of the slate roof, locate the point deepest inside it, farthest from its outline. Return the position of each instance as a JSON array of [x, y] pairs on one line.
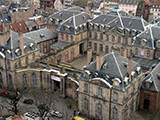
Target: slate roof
[[113, 20], [64, 14], [115, 62], [151, 35], [128, 2], [41, 35], [13, 44], [31, 24], [74, 22], [153, 77], [59, 45], [116, 68], [5, 18], [145, 62]]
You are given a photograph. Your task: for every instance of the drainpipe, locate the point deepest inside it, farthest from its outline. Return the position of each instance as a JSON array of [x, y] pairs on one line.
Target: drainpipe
[[110, 104]]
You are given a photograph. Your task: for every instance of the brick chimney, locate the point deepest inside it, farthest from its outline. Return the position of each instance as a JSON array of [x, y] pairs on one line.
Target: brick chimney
[[130, 65], [21, 43], [86, 9], [99, 59], [89, 55]]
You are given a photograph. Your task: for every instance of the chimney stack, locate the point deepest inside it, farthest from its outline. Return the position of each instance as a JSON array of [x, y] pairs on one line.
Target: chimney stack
[[21, 43], [89, 55], [130, 65], [99, 59], [91, 14]]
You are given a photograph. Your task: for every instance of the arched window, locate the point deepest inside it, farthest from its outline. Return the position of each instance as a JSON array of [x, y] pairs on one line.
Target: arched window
[[131, 107], [10, 83], [86, 104], [100, 92], [107, 37], [114, 113], [86, 88], [66, 37], [19, 63], [34, 79], [119, 39], [62, 37], [1, 80], [125, 113], [95, 35], [71, 38], [24, 79], [113, 38], [136, 51], [148, 53]]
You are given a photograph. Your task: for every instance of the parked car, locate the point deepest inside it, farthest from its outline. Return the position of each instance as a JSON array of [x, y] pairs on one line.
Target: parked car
[[28, 101], [56, 113], [5, 94]]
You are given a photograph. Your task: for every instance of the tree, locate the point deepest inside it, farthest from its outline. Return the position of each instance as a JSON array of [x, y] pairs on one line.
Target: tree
[[12, 102], [43, 101]]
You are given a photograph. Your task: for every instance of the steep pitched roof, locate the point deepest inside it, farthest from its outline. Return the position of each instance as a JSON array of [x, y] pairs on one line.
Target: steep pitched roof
[[128, 2], [154, 78], [151, 35], [113, 20]]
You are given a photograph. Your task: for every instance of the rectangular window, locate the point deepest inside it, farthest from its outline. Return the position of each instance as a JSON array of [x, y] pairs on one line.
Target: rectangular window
[[44, 43], [101, 48], [95, 46], [115, 96], [106, 49], [45, 50], [142, 52], [99, 92], [86, 88], [90, 44]]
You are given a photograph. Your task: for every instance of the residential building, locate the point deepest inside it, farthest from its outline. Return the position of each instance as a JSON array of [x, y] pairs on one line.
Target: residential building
[[109, 88], [146, 47], [51, 3], [114, 32], [129, 5], [150, 94], [44, 38]]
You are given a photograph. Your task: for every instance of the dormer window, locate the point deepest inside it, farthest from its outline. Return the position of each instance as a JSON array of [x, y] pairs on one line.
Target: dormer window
[[125, 64], [105, 65], [158, 43], [148, 84], [116, 82], [126, 80], [143, 42], [18, 52]]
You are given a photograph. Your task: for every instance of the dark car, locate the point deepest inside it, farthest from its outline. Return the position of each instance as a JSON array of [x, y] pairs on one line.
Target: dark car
[[5, 94], [28, 101]]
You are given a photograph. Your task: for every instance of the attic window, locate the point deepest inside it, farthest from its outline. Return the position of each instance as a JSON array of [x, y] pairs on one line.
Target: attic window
[[20, 24], [125, 64], [116, 22], [70, 20], [41, 35], [130, 23], [105, 19], [60, 14], [105, 65], [83, 17]]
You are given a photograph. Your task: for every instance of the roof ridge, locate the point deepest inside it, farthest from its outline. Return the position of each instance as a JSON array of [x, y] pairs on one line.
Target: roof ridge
[[117, 64], [120, 19], [152, 36]]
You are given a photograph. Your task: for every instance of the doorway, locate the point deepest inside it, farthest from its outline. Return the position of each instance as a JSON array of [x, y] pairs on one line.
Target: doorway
[[81, 47], [146, 104]]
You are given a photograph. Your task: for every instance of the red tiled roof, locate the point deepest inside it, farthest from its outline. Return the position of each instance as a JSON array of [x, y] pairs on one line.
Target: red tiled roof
[[19, 27], [38, 22], [157, 2], [17, 118]]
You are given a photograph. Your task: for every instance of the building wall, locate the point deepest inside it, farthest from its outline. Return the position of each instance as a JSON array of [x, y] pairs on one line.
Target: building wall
[[127, 8], [152, 96]]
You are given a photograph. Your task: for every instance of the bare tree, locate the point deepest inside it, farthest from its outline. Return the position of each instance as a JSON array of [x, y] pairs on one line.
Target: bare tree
[[11, 102], [43, 101]]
